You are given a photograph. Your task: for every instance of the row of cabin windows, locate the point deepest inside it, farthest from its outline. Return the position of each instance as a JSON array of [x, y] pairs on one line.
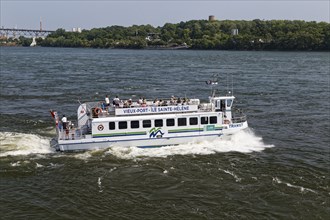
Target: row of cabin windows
[[169, 122]]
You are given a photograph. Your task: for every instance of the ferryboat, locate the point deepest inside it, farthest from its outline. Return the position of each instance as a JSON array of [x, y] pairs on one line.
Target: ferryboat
[[148, 123]]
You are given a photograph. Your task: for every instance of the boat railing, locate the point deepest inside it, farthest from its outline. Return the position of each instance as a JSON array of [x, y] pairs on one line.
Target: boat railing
[[239, 118], [205, 107], [70, 134], [99, 109]]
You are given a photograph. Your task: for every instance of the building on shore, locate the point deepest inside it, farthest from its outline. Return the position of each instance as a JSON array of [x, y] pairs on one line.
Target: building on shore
[[234, 32], [78, 29], [212, 18]]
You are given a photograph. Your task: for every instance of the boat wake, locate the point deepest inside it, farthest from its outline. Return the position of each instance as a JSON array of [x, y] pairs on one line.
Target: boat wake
[[301, 189], [244, 141], [15, 144]]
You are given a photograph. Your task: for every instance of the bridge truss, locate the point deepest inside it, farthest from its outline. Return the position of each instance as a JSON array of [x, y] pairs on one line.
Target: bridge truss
[[15, 33]]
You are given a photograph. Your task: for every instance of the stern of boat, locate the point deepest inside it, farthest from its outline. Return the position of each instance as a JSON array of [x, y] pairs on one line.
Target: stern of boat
[[54, 144]]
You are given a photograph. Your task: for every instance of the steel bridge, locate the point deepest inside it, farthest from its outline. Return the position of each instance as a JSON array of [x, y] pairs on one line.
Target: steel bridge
[[13, 32]]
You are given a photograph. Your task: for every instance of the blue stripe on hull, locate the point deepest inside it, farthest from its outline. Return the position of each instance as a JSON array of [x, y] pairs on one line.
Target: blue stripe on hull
[[117, 135], [94, 142], [178, 132], [151, 146]]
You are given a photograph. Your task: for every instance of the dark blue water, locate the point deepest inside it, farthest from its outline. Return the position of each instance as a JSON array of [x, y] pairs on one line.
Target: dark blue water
[[277, 169]]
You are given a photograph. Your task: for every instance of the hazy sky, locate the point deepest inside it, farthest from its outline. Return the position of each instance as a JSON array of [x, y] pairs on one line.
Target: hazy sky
[[89, 14]]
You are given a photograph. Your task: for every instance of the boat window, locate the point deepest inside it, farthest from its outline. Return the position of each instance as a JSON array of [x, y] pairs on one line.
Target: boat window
[[222, 105], [193, 121], [146, 123], [213, 119], [170, 122], [112, 125], [204, 120], [135, 124], [122, 124], [159, 123], [229, 102], [182, 121], [217, 106]]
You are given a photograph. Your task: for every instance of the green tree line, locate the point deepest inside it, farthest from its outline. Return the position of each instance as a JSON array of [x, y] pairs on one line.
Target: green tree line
[[202, 34]]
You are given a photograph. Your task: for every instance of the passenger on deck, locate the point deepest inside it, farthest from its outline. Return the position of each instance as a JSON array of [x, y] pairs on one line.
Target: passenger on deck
[[121, 104], [116, 101], [129, 103], [179, 101], [156, 102], [67, 132], [125, 104], [60, 126], [107, 101], [144, 102], [72, 131], [184, 101], [103, 106], [173, 100], [64, 122], [140, 101]]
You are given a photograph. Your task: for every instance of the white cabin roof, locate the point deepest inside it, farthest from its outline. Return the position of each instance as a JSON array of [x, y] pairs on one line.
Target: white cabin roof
[[222, 97]]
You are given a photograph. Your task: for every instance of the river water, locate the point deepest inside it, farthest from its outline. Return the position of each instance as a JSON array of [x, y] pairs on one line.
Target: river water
[[276, 169]]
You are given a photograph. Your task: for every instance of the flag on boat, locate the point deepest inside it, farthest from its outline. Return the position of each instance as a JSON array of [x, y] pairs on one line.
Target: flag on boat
[[52, 113]]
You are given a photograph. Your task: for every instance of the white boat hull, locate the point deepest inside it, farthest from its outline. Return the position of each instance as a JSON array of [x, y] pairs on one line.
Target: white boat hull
[[145, 142]]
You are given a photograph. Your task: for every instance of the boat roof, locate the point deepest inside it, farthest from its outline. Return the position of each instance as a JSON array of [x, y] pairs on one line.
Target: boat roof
[[222, 97], [150, 110]]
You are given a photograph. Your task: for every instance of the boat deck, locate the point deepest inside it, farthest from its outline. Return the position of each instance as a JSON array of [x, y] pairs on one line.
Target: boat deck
[[100, 110], [93, 110]]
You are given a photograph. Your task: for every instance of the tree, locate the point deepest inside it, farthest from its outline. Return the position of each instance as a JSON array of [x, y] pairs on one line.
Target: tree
[[202, 34]]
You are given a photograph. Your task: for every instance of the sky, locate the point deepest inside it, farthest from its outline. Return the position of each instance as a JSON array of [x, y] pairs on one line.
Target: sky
[[87, 14]]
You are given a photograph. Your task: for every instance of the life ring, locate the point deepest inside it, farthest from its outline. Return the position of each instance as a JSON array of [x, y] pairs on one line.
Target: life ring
[[100, 127], [226, 121], [97, 111]]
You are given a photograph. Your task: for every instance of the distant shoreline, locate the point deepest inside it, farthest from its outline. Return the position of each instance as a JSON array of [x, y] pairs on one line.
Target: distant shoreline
[[146, 49], [240, 35]]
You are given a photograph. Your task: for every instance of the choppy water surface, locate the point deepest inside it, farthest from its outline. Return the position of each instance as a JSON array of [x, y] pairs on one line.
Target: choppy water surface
[[277, 169]]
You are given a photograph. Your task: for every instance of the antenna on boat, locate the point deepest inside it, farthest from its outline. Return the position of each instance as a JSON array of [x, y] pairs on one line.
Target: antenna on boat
[[212, 82], [231, 92], [232, 85], [227, 82]]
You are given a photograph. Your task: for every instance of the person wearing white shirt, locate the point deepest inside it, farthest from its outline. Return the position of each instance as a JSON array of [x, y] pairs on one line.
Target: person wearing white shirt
[[116, 101], [64, 122], [107, 101]]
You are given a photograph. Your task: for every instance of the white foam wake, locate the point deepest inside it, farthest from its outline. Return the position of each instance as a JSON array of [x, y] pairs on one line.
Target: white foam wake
[[302, 189], [232, 174], [244, 141], [14, 144]]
